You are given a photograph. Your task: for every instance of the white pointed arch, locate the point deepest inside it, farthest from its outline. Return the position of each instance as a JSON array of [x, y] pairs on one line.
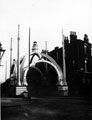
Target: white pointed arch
[[41, 57]]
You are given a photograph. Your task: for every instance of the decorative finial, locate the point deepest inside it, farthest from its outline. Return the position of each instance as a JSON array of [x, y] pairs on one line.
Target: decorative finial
[[35, 47]]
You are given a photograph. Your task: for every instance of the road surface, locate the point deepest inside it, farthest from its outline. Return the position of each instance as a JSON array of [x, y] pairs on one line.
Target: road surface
[[46, 108]]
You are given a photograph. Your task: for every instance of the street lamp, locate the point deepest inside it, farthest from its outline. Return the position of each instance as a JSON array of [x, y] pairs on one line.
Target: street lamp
[[1, 52]]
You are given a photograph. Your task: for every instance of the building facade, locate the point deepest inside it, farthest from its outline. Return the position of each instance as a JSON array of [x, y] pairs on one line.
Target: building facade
[[78, 59]]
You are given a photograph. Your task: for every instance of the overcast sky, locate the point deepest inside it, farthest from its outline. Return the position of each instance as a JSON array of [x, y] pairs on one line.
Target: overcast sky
[[46, 18]]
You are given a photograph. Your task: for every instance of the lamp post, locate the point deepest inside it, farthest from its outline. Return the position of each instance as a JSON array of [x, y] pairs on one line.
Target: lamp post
[[1, 52]]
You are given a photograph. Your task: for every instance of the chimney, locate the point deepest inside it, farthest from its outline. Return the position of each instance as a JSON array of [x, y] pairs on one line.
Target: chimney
[[86, 40], [66, 41], [73, 36]]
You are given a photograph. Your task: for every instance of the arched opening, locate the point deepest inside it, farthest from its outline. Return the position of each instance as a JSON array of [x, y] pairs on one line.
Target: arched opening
[[42, 79]]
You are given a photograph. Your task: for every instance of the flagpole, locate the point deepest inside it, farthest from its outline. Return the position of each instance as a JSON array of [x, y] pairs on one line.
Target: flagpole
[[10, 57], [18, 61], [29, 51], [46, 54], [64, 64], [6, 70]]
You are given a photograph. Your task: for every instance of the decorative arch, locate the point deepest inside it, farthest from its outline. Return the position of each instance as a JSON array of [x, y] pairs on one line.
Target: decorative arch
[[41, 58]]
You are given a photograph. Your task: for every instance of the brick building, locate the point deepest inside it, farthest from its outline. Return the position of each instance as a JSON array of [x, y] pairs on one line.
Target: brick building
[[78, 56]]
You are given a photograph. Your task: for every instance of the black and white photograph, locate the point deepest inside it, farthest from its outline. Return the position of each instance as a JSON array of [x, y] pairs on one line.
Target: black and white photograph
[[45, 59]]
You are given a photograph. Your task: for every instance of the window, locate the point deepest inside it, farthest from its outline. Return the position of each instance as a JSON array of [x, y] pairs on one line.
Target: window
[[85, 49], [86, 62]]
